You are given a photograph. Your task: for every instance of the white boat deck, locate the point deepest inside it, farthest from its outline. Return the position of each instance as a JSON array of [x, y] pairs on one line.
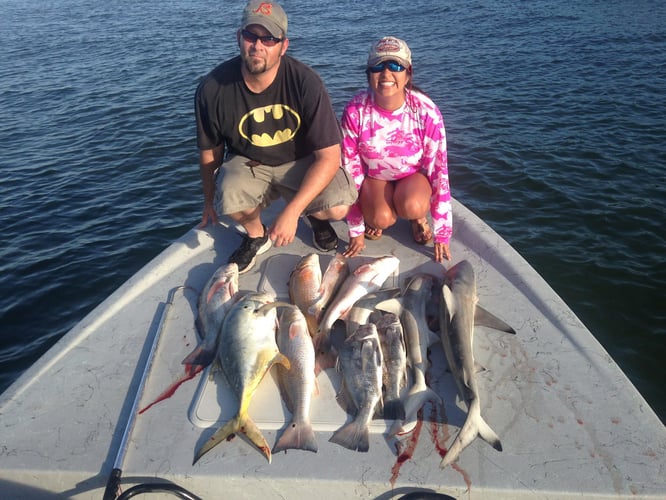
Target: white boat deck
[[571, 423]]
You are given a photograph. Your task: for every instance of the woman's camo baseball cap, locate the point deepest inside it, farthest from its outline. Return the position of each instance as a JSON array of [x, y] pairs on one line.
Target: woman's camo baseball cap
[[390, 48]]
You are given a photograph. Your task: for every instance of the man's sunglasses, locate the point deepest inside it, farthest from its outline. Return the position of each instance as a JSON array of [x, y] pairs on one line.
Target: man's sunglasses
[[392, 66], [268, 40]]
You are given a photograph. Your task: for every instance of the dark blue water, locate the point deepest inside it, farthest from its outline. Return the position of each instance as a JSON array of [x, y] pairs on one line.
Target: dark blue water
[[554, 113]]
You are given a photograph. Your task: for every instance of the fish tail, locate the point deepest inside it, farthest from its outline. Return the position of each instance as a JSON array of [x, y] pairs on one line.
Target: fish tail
[[231, 427], [489, 435], [474, 426], [200, 356], [250, 429], [353, 436], [235, 426], [414, 402], [297, 436], [394, 410]]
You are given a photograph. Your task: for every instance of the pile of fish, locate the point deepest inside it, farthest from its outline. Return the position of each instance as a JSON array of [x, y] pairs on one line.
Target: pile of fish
[[381, 354]]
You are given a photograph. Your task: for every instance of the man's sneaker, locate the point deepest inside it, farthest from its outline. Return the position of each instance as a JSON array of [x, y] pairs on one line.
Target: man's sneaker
[[246, 254], [323, 235]]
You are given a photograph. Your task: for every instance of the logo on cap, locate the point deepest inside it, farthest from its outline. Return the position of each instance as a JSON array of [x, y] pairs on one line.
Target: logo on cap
[[264, 8]]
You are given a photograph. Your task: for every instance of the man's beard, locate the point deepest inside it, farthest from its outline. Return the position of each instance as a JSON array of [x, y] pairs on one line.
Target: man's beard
[[255, 66]]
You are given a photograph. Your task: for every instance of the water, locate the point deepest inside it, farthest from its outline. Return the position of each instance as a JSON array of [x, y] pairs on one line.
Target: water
[[554, 114]]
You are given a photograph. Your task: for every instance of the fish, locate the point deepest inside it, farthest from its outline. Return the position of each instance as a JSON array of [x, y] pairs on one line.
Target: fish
[[411, 309], [304, 287], [335, 274], [214, 302], [458, 314], [394, 355], [247, 349], [366, 279], [296, 384], [362, 310], [359, 314], [360, 361]]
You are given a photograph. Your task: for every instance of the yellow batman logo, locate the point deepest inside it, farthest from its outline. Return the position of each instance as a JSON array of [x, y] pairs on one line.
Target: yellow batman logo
[[269, 125]]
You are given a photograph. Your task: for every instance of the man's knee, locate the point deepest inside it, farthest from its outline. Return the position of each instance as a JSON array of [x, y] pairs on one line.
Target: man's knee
[[334, 213]]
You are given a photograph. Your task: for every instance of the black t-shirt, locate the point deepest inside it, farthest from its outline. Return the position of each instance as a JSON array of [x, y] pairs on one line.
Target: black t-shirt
[[289, 120]]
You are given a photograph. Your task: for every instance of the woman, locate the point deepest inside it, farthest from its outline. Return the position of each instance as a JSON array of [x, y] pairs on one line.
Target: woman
[[394, 147]]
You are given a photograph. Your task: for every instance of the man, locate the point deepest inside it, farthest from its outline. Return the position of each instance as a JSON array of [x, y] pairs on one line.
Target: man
[[269, 118]]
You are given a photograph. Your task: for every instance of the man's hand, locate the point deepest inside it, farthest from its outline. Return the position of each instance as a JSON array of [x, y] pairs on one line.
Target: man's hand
[[209, 216], [283, 230]]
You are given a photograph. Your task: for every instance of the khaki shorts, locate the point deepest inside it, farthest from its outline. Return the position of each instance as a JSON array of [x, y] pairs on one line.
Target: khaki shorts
[[241, 187]]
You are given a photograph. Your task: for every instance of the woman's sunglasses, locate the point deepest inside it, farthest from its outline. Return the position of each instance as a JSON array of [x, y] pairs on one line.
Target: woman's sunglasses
[[268, 40], [392, 66]]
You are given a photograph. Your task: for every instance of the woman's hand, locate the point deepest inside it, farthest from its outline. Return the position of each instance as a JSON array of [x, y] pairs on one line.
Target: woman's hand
[[356, 245], [442, 252]]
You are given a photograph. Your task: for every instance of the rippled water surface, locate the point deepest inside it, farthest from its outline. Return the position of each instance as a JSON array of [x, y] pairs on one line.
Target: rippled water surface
[[555, 122]]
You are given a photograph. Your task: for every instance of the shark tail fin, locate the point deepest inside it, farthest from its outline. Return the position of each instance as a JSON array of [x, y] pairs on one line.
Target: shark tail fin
[[489, 435], [474, 426]]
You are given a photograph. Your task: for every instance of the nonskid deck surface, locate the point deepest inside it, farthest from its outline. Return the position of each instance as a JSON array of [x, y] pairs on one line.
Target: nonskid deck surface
[[569, 420]]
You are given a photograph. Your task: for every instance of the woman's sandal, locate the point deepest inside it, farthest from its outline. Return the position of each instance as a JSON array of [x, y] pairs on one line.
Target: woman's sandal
[[371, 233], [421, 231]]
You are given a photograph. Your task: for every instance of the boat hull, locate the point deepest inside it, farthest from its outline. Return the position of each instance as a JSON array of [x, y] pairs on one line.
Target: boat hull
[[570, 421]]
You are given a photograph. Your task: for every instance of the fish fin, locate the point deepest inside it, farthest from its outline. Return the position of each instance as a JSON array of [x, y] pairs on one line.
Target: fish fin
[[413, 403], [231, 427], [449, 301], [489, 435], [482, 317], [474, 426], [266, 308], [353, 436], [393, 305], [433, 338], [252, 432], [297, 436], [394, 410], [283, 360], [200, 356]]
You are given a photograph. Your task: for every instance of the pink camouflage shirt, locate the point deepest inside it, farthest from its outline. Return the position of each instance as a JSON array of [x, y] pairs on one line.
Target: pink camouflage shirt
[[391, 145]]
